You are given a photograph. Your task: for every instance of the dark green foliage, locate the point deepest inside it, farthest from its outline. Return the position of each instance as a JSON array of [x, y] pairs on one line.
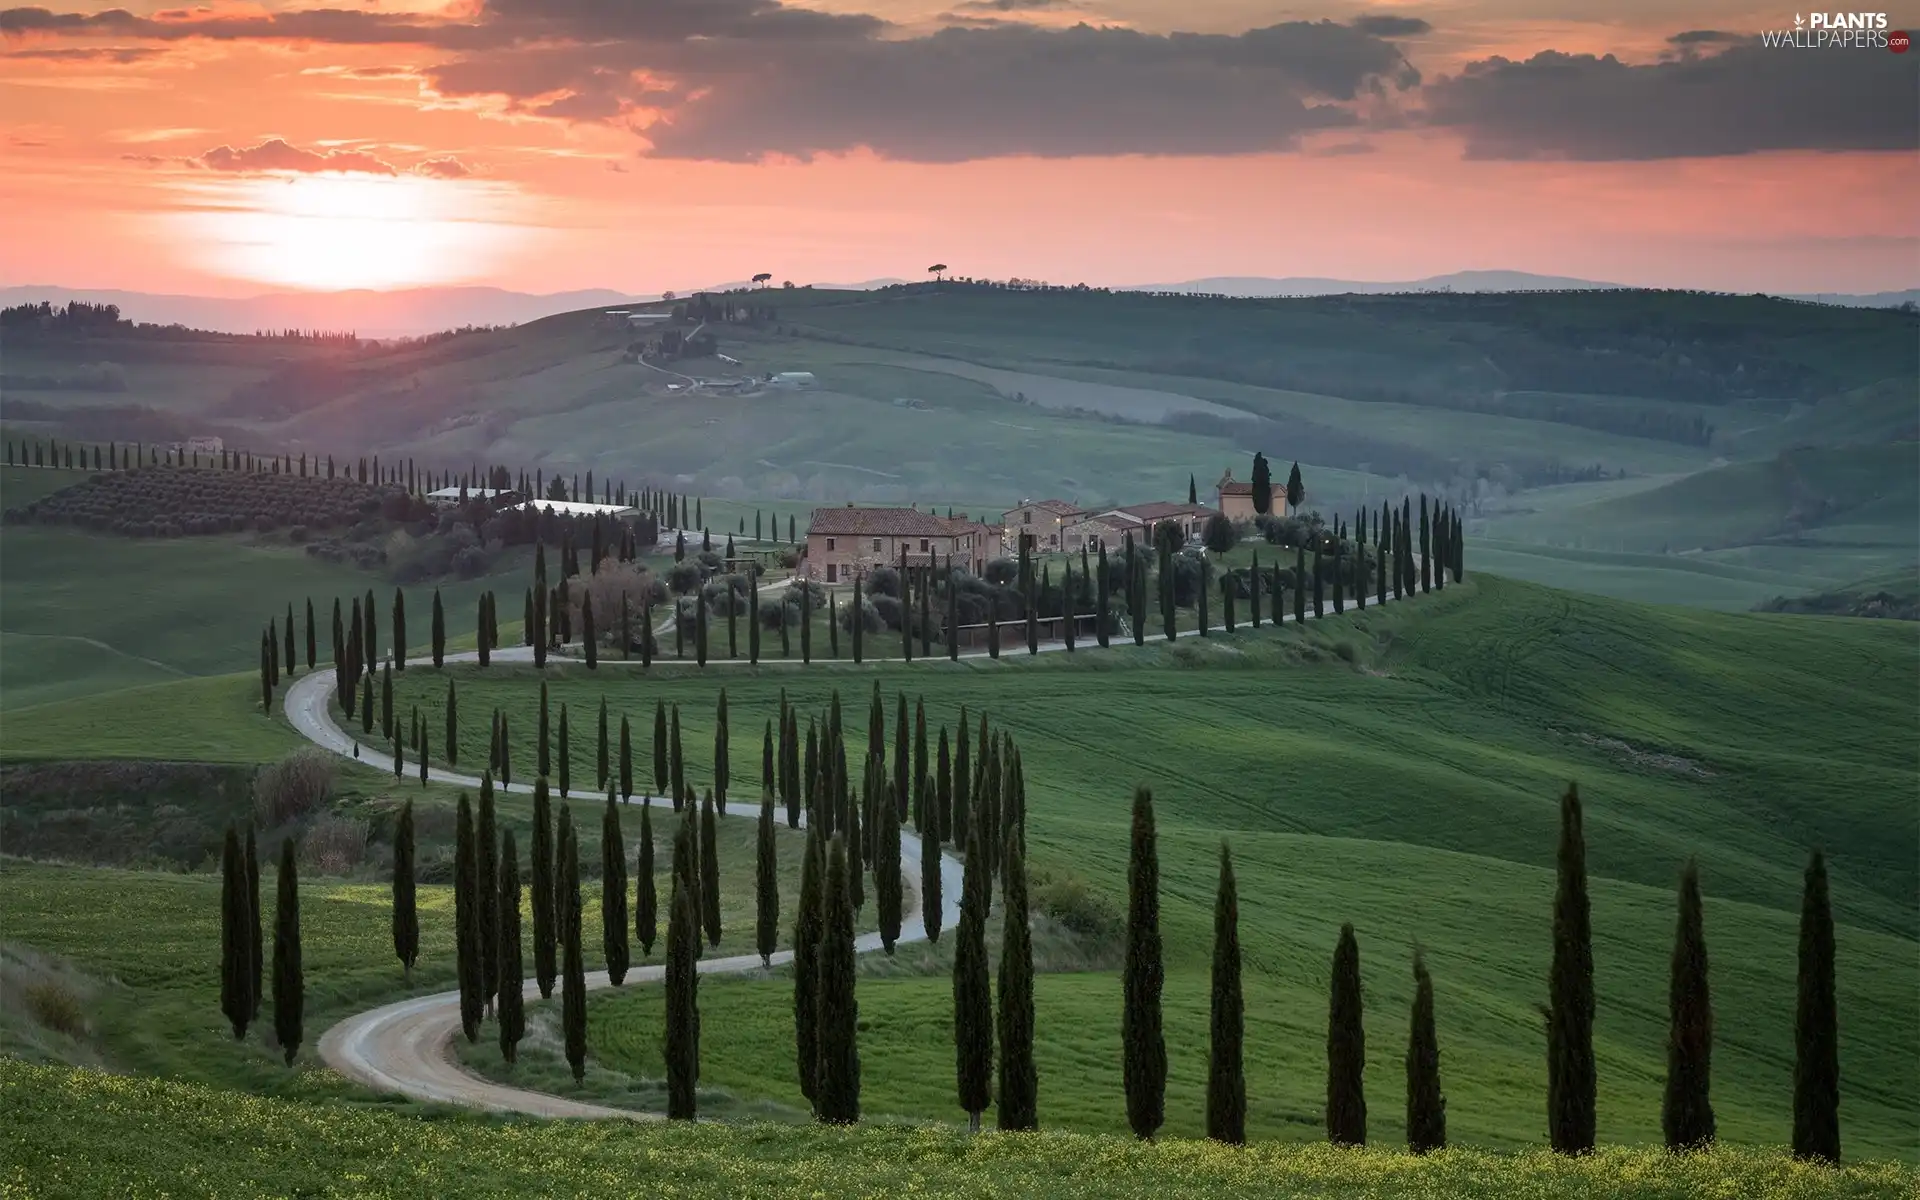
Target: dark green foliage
[[1686, 1115], [1426, 1103], [406, 917], [676, 762], [590, 641], [901, 749], [931, 912], [721, 759], [1206, 586], [973, 993], [1103, 599], [767, 770], [1226, 1071], [807, 922], [838, 1089], [573, 984], [682, 1042], [886, 868], [1426, 548], [1143, 1046], [366, 703], [1019, 1080], [1262, 485], [660, 748], [1319, 592], [1168, 612], [399, 630], [289, 980], [645, 900], [509, 1007], [1299, 584], [236, 950], [766, 884], [543, 754], [255, 943], [1346, 1047], [1296, 490], [386, 700], [962, 798], [602, 757], [439, 630], [566, 754], [1570, 1070], [942, 816], [920, 777], [1816, 1031], [613, 893], [311, 647], [626, 758], [466, 923], [486, 860], [709, 872], [545, 927], [850, 829]]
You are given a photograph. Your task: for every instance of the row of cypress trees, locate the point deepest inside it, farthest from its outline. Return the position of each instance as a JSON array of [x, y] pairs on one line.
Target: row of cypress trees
[[242, 949]]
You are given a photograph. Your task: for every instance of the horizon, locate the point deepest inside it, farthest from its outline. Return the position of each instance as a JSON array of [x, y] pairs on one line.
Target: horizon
[[541, 147]]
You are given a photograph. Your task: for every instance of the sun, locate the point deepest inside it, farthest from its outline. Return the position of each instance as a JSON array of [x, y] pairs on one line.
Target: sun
[[331, 231]]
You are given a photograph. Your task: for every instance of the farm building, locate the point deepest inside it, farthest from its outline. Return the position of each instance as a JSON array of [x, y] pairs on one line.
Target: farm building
[[794, 379], [580, 508], [845, 543], [447, 497], [1236, 499]]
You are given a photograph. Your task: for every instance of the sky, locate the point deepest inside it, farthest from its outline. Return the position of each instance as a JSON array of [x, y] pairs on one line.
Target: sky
[[545, 145]]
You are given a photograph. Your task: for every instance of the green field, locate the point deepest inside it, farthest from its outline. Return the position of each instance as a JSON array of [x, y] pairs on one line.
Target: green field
[[1416, 797], [65, 1136]]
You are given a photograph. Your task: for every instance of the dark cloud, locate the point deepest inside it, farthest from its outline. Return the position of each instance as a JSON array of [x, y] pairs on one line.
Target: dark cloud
[[1391, 25], [161, 160], [1707, 37], [1014, 5], [1747, 99], [445, 167], [112, 54], [276, 155]]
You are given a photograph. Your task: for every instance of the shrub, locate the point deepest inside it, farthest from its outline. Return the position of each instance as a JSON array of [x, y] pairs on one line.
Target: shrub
[[683, 577], [334, 845], [292, 788], [1068, 899], [56, 1005], [1002, 571], [870, 621], [773, 612], [1219, 536], [790, 559], [883, 581]]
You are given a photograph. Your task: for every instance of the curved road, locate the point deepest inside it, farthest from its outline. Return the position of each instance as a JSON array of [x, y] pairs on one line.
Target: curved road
[[407, 1047]]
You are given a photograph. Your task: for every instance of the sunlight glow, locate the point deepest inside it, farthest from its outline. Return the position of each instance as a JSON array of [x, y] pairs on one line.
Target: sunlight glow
[[332, 230]]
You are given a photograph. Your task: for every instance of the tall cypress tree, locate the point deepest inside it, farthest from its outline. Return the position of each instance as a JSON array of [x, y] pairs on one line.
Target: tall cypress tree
[[921, 780], [1426, 548], [626, 758], [542, 754], [236, 953], [886, 868], [807, 925], [645, 900], [1299, 584], [683, 998], [1143, 1046], [545, 926], [962, 795], [386, 700], [366, 703], [510, 1005], [289, 981], [256, 944], [399, 630], [1319, 592], [722, 772], [942, 802], [660, 748], [439, 630], [1019, 1080], [676, 763], [901, 763], [589, 640], [466, 922], [972, 993], [573, 994], [311, 647], [565, 755], [1816, 1031], [838, 1012], [406, 917], [931, 912], [453, 723], [1226, 1073], [602, 758], [287, 635], [709, 872], [613, 893], [1686, 1116], [766, 880], [1570, 1068], [1426, 1103], [1346, 1047]]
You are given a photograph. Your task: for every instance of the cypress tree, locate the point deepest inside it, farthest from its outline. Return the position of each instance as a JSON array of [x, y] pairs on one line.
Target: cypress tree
[[406, 918], [722, 774], [439, 631], [1019, 1081], [683, 1000], [266, 676], [541, 879], [942, 802], [1686, 1116], [709, 872], [807, 925], [838, 1013], [311, 656], [972, 994], [1426, 548], [1168, 614], [1385, 549], [768, 772], [542, 755], [573, 995], [1226, 1072], [1570, 1068], [483, 636], [766, 891], [466, 923], [676, 762], [900, 749], [602, 759], [510, 1005], [399, 630], [1206, 585], [289, 983], [453, 723], [850, 828], [699, 630], [626, 757], [1816, 1033], [626, 629], [386, 699], [920, 777], [370, 639], [399, 753], [366, 703], [1102, 599], [1300, 584], [1143, 1046], [565, 764], [287, 635], [931, 913], [256, 944], [590, 641], [506, 755], [236, 952], [1319, 594], [790, 769], [537, 620], [613, 893], [1346, 1047], [271, 645], [645, 901], [660, 748], [1426, 1104], [886, 868]]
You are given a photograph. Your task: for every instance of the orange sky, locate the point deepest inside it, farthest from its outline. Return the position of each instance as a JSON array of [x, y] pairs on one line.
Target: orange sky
[[111, 173]]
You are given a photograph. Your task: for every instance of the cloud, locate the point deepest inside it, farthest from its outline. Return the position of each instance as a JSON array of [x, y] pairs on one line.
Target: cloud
[[161, 160], [447, 167], [276, 155], [1013, 5], [112, 54], [1706, 37], [1745, 100], [1391, 25]]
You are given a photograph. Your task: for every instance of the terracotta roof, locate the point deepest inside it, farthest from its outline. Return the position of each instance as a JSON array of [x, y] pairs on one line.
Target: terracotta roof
[[1058, 507], [878, 522], [1107, 521], [1229, 488], [1160, 510]]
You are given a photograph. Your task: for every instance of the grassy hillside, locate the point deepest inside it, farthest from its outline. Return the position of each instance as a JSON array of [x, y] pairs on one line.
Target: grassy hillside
[[67, 1135], [1417, 797]]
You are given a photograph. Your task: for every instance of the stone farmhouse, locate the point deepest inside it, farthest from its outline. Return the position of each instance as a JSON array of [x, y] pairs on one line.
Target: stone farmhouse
[[845, 543], [1236, 498], [1039, 525]]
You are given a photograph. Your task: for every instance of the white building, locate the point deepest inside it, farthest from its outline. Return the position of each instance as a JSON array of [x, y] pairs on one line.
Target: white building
[[580, 508], [794, 379]]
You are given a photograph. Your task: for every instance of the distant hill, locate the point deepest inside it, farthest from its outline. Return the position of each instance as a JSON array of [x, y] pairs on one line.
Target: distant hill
[[1469, 281], [1895, 595]]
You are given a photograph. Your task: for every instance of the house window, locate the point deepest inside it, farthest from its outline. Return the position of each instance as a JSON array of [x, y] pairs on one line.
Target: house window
[[876, 543], [923, 545], [1026, 518], [830, 573], [829, 543]]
